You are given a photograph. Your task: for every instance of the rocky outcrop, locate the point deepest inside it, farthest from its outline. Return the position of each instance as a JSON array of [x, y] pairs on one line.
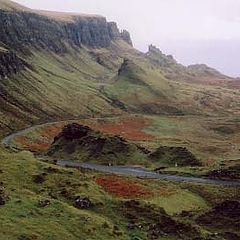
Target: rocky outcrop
[[227, 214], [82, 203], [113, 30], [10, 64], [130, 71], [225, 173], [174, 156], [125, 35], [158, 58], [155, 221], [22, 29], [176, 71], [85, 144], [3, 197]]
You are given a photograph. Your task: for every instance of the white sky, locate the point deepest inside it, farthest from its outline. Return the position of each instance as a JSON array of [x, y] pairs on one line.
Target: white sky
[[194, 31]]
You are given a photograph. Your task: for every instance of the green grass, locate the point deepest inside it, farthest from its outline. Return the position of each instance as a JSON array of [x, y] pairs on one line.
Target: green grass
[[60, 220], [22, 218], [195, 133], [180, 201], [74, 85]]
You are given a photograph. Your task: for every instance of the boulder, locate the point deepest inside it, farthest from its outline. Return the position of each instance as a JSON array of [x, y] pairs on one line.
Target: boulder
[[43, 203], [82, 203], [3, 197]]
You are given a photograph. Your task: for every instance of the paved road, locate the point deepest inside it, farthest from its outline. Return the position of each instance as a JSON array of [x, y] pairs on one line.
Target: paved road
[[7, 141], [144, 173], [125, 170]]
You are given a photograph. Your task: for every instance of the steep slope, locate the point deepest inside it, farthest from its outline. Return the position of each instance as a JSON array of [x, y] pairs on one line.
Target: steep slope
[[144, 87], [57, 66], [29, 29], [66, 66], [12, 6], [45, 65]]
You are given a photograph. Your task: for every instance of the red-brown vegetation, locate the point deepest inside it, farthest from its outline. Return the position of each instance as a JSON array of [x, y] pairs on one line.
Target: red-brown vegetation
[[43, 141], [123, 188], [130, 128], [35, 146]]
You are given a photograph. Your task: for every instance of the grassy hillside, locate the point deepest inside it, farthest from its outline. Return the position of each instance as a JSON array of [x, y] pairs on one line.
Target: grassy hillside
[[64, 68], [39, 203], [12, 6], [86, 82]]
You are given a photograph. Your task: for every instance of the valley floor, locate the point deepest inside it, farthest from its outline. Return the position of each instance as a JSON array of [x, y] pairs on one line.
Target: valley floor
[[40, 200], [219, 148]]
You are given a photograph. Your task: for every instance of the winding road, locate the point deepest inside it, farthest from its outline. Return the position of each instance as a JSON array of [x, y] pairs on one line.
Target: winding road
[[144, 173], [124, 170]]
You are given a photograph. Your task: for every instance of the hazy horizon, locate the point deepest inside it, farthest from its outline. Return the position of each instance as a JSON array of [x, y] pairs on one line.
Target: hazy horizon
[[206, 31]]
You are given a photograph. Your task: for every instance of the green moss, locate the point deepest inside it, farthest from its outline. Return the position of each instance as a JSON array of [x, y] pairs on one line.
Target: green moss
[[180, 201]]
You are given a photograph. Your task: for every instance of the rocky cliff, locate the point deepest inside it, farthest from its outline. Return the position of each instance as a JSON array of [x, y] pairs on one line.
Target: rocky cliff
[[10, 63], [22, 29]]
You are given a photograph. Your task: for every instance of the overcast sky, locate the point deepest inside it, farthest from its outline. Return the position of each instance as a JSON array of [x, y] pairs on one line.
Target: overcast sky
[[194, 31]]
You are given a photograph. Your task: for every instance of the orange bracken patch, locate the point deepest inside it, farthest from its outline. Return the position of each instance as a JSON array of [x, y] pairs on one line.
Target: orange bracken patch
[[43, 142], [50, 132], [22, 140], [130, 128], [123, 188], [35, 146]]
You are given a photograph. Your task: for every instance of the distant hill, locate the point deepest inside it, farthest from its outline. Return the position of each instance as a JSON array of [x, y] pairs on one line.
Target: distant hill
[[12, 6], [193, 73]]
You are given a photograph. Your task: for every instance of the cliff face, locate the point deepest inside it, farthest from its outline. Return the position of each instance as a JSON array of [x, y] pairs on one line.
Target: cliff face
[[10, 63], [22, 29], [125, 35]]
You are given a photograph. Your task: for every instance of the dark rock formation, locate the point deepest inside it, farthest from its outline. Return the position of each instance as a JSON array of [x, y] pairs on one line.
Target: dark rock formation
[[155, 221], [85, 144], [10, 64], [73, 131], [39, 179], [19, 30], [226, 213], [3, 197], [125, 35], [230, 236], [229, 208], [225, 173], [43, 203], [83, 203], [131, 72], [174, 155], [113, 31], [124, 67]]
